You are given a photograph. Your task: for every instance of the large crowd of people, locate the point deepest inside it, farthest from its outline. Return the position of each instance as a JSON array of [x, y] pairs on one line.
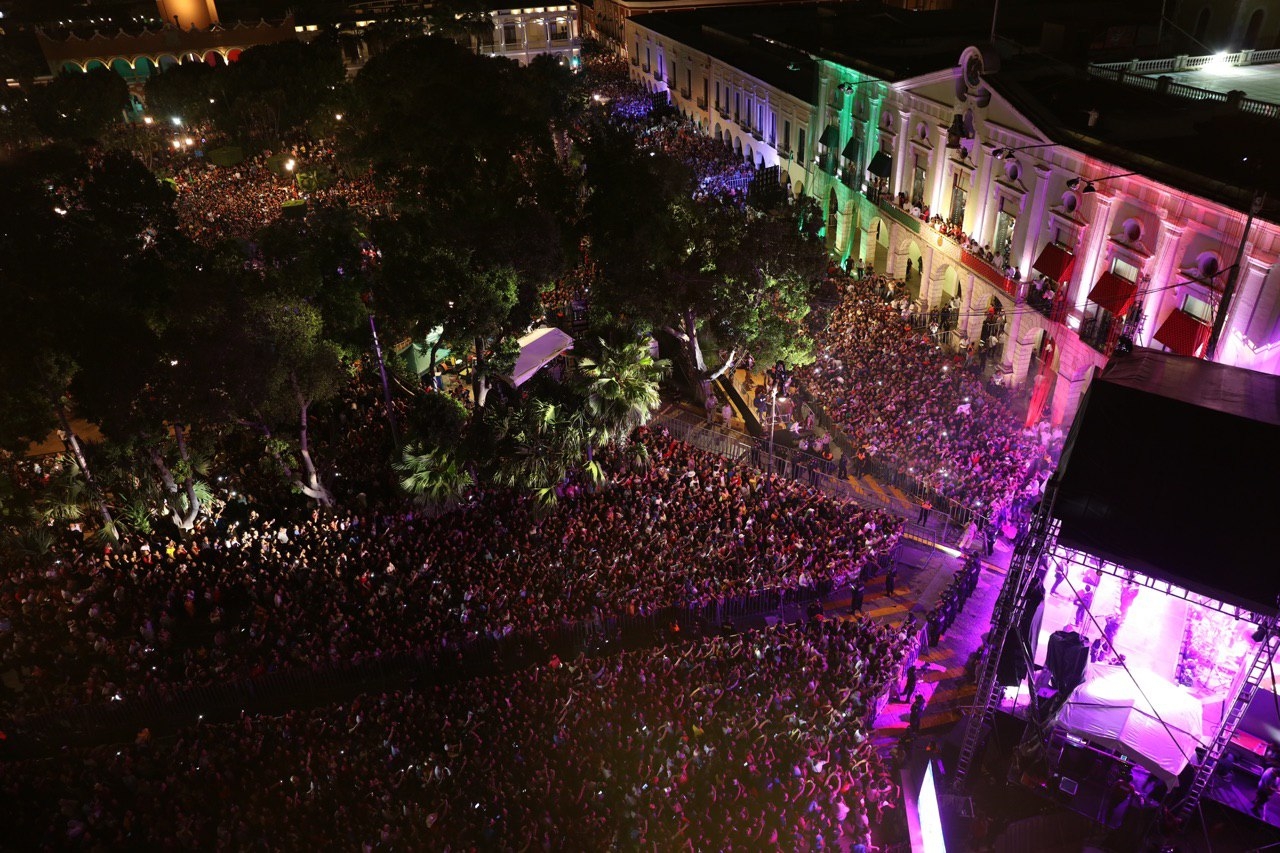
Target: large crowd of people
[[756, 741], [903, 400], [260, 594], [221, 202]]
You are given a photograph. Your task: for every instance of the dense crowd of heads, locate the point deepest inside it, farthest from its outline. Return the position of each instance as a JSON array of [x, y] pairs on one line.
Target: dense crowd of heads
[[220, 202], [260, 594], [750, 742], [903, 400]]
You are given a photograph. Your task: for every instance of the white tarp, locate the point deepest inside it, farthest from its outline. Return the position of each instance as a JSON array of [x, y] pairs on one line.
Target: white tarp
[[1108, 709], [537, 349]]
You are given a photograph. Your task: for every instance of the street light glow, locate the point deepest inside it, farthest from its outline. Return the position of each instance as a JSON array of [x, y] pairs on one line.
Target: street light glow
[[177, 122]]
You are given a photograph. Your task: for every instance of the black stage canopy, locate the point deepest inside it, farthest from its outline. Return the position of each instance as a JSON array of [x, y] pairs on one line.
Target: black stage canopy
[[1172, 468]]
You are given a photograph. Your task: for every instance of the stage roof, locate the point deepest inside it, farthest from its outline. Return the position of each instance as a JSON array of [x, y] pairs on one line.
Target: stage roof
[[1171, 469]]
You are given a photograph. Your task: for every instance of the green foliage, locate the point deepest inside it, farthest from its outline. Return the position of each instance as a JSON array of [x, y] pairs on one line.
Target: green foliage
[[622, 389], [79, 107], [436, 478]]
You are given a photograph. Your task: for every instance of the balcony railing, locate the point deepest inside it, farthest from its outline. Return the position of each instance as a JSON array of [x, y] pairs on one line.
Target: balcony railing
[[1053, 308], [645, 68], [686, 94], [989, 272], [702, 103], [635, 60], [723, 111], [902, 217], [756, 134]]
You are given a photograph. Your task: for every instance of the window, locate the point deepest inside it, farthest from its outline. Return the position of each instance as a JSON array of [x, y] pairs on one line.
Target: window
[[737, 106], [786, 135], [511, 34], [1003, 242], [800, 147], [648, 59], [1198, 308], [559, 30], [1124, 269], [717, 94], [959, 198], [917, 181]]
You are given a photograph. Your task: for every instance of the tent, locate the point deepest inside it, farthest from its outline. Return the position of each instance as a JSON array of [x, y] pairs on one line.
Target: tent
[[417, 354], [1117, 710], [538, 349]]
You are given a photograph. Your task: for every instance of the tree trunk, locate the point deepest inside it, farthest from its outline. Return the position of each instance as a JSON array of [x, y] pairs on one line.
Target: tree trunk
[[479, 380], [187, 521], [72, 442], [310, 483], [691, 348]]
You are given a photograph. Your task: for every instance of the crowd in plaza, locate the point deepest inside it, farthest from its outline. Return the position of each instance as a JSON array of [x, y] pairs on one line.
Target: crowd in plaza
[[903, 400], [757, 741], [259, 594], [220, 202]]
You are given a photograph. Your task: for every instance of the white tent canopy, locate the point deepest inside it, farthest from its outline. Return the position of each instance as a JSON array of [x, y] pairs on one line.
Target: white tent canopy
[[537, 349], [1158, 726]]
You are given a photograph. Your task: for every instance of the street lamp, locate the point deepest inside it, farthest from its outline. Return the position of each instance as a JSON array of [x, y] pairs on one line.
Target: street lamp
[[1075, 183], [1004, 153]]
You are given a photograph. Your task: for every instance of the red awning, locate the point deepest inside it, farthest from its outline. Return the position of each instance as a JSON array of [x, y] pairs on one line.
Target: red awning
[[1113, 293], [1184, 334], [1055, 262]]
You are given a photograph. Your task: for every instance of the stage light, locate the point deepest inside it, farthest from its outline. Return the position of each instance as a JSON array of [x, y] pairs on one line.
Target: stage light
[[1260, 634]]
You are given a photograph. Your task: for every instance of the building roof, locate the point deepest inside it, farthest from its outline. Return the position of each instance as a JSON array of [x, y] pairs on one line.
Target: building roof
[[1209, 148], [1161, 440], [888, 44]]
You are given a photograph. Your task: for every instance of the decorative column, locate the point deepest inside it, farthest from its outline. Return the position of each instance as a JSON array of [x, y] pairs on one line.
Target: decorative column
[[981, 196], [1031, 242], [1094, 254], [1163, 273], [901, 147]]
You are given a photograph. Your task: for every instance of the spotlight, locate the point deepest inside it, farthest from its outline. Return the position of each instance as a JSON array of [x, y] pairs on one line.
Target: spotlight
[[1074, 182], [1001, 153], [1260, 634], [1089, 188]]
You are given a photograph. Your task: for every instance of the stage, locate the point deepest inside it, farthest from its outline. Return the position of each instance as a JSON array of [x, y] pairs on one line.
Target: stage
[[1148, 668]]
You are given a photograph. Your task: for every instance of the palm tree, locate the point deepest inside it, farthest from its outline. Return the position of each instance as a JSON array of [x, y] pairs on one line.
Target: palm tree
[[540, 445], [622, 390], [437, 478]]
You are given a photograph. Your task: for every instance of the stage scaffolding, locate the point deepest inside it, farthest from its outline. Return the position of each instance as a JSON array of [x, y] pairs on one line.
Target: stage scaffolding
[[1028, 569]]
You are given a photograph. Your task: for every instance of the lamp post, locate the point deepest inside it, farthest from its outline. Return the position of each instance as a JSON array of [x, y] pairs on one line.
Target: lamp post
[[1089, 187], [1004, 153]]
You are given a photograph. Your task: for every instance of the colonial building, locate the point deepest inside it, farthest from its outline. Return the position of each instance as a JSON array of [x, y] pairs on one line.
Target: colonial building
[[1062, 211]]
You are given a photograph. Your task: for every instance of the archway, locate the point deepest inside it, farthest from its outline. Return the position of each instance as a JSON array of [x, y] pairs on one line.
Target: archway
[[719, 133], [950, 286], [144, 67], [167, 61], [746, 154], [233, 55], [1251, 32], [833, 220], [880, 248], [213, 59], [737, 146], [991, 340], [70, 67], [124, 68], [915, 269], [94, 65]]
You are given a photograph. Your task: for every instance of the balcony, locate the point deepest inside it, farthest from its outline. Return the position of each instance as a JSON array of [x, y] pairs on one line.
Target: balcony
[[635, 61], [686, 94], [1052, 308], [756, 134], [645, 68], [989, 272], [900, 216], [722, 111], [702, 103]]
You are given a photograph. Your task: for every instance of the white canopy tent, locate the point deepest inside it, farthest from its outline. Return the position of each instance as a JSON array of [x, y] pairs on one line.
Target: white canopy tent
[[1158, 726], [537, 349]]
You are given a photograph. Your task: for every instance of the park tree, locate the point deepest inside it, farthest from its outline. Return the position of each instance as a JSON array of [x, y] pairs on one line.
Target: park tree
[[278, 88], [78, 107], [706, 273], [285, 368]]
